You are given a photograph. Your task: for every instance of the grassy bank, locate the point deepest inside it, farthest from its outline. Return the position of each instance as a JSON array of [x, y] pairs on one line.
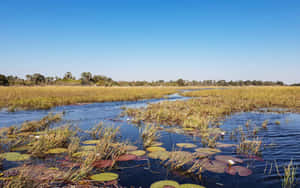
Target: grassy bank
[[212, 105], [15, 98]]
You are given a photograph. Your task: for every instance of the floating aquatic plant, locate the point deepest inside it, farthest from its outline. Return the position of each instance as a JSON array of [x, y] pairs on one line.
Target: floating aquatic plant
[[57, 151], [14, 156], [103, 163], [103, 177], [155, 148], [227, 158], [127, 157], [130, 148], [165, 183], [88, 148], [21, 148], [186, 145], [190, 186], [162, 155], [91, 142], [207, 151], [138, 152], [242, 171]]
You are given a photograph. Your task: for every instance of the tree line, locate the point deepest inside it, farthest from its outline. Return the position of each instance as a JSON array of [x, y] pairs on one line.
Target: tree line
[[87, 78]]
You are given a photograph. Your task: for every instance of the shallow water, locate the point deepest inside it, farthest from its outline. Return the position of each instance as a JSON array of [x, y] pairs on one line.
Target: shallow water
[[281, 143]]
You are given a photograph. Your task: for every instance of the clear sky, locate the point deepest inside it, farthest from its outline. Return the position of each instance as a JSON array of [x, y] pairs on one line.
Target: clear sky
[[152, 39]]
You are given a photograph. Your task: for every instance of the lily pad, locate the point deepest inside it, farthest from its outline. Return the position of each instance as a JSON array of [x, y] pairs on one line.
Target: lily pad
[[130, 148], [138, 152], [155, 148], [57, 150], [53, 168], [103, 163], [81, 154], [127, 157], [242, 171], [14, 156], [164, 184], [190, 186], [162, 155], [226, 158], [103, 177], [21, 148], [157, 144], [88, 148], [222, 145], [213, 166], [89, 142], [186, 145], [207, 151]]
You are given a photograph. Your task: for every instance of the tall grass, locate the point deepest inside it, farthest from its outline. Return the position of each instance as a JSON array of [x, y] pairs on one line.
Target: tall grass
[[210, 106], [15, 98]]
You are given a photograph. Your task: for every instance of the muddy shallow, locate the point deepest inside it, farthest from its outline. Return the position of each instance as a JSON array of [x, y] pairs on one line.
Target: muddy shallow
[[280, 143]]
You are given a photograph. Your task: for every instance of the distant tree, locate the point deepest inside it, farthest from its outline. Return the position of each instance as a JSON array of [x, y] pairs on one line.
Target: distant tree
[[49, 80], [86, 76], [180, 82], [38, 79], [98, 78], [3, 80], [279, 83], [29, 77], [69, 76]]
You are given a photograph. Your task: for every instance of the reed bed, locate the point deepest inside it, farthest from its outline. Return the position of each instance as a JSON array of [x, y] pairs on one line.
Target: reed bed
[[211, 106], [46, 97]]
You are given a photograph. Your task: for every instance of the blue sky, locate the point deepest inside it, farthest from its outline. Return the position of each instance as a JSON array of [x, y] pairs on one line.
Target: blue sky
[[152, 39]]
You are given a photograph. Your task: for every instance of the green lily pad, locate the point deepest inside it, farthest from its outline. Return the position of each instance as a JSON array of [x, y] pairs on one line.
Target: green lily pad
[[107, 176], [57, 150], [157, 144], [53, 168], [222, 145], [130, 148], [162, 155], [21, 148], [88, 148], [81, 154], [208, 151], [165, 183], [138, 152], [14, 156], [186, 145], [155, 148], [190, 186], [89, 142]]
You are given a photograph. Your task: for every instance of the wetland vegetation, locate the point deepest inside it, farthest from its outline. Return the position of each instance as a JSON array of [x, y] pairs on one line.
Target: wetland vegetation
[[55, 152]]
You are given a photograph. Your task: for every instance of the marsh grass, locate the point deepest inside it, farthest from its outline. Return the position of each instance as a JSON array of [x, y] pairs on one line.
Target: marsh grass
[[15, 98], [214, 105], [150, 134], [55, 138], [40, 125], [289, 174], [22, 181]]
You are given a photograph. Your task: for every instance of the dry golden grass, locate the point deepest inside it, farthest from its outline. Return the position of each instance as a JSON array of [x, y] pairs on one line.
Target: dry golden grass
[[46, 97], [212, 105]]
